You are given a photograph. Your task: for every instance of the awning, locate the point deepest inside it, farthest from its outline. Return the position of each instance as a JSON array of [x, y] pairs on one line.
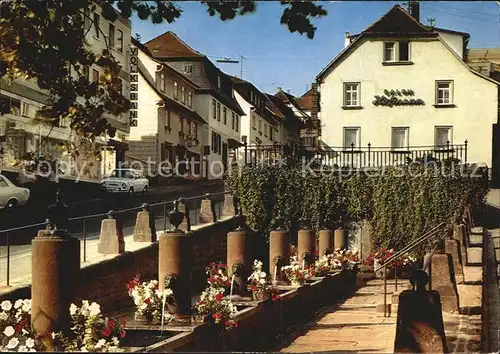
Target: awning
[[233, 143]]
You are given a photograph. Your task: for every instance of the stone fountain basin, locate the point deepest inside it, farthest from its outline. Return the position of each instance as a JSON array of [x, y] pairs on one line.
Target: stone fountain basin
[[141, 340]]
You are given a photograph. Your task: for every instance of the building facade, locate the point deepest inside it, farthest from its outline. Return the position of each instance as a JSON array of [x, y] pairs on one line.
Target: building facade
[[167, 133], [214, 101], [19, 135], [400, 84]]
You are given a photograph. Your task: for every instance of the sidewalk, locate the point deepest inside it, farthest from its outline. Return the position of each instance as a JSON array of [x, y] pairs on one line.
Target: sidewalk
[[354, 326]]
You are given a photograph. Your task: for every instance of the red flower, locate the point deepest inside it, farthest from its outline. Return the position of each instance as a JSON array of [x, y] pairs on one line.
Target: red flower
[[276, 297], [219, 297], [147, 300], [254, 287], [106, 332], [122, 334], [217, 316], [235, 324], [227, 323], [111, 323], [124, 321]]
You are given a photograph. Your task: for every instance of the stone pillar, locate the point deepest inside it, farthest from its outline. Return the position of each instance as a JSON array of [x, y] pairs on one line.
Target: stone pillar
[[238, 260], [145, 228], [174, 265], [279, 253], [341, 238], [420, 327], [111, 236], [366, 240], [183, 207], [229, 208], [452, 247], [55, 264], [207, 210], [325, 242], [460, 234], [442, 280], [306, 251]]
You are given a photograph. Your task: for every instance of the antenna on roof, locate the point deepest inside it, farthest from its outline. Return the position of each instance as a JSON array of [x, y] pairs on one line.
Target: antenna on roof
[[431, 21], [137, 37]]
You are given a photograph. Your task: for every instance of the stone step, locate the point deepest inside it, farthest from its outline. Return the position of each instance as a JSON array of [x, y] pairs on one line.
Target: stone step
[[473, 275], [474, 255], [476, 240], [470, 298], [477, 230]]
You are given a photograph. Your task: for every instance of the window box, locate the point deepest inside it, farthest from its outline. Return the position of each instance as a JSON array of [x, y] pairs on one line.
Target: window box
[[451, 105], [396, 63]]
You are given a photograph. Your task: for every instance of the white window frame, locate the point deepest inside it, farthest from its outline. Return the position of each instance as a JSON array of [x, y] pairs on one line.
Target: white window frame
[[396, 54], [183, 94], [161, 77], [214, 108], [218, 111], [449, 128], [450, 89], [349, 91], [190, 99], [406, 144], [176, 90], [119, 40], [188, 68], [393, 57], [357, 145]]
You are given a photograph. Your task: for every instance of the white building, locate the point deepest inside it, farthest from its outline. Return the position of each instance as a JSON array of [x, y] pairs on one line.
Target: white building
[[21, 135], [168, 130], [214, 100], [400, 84]]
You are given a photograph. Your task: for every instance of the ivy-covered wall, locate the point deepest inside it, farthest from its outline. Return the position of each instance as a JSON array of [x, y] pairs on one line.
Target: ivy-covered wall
[[401, 203]]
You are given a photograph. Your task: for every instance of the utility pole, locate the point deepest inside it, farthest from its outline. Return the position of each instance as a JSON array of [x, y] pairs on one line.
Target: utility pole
[[232, 61], [431, 21]]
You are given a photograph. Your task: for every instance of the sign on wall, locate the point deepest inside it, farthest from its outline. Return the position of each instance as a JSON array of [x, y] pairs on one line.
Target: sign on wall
[[134, 85], [404, 97]]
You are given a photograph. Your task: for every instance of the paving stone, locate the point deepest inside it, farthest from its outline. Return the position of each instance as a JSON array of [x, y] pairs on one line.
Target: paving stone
[[474, 255]]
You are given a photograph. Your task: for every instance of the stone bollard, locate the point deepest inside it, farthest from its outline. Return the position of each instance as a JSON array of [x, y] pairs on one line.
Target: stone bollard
[[279, 252], [111, 236], [366, 240], [420, 327], [442, 280], [55, 259], [229, 208], [207, 210], [238, 261], [460, 234], [174, 266], [145, 228], [183, 207], [325, 242], [306, 250], [341, 238], [452, 247]]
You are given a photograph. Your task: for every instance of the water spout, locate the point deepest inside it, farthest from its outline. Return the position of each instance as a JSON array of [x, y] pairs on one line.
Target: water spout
[[231, 291], [163, 312], [275, 275], [303, 263]]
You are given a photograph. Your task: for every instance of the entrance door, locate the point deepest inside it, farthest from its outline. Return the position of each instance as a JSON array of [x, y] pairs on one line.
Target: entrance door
[[224, 155]]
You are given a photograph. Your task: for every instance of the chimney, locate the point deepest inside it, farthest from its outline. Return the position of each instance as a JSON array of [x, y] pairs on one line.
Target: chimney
[[347, 39], [415, 9]]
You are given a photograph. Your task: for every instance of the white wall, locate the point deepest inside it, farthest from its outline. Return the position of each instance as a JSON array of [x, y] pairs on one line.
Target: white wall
[[475, 98], [454, 41]]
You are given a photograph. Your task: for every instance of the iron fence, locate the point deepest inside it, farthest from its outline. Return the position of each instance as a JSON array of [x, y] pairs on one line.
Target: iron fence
[[353, 156], [87, 228]]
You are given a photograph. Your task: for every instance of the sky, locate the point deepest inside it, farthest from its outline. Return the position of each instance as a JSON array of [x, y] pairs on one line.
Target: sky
[[274, 57]]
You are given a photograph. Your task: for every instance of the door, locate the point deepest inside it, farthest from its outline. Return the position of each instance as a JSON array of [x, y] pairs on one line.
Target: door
[[224, 155]]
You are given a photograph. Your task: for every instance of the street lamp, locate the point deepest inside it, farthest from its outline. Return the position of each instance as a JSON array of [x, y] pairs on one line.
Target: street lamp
[[244, 140]]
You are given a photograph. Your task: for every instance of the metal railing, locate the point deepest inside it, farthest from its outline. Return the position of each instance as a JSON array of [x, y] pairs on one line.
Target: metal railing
[[425, 237], [87, 227], [353, 156]]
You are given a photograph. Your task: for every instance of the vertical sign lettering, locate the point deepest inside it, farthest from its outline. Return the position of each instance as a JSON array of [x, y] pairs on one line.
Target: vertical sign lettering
[[134, 86]]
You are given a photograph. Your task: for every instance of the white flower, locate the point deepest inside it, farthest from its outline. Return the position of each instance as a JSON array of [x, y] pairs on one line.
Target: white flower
[[6, 305], [115, 341], [144, 306], [30, 343], [27, 305], [262, 281], [94, 309], [25, 332], [18, 303], [168, 292], [83, 349], [100, 343], [22, 349], [9, 331], [31, 350], [72, 309], [3, 316], [13, 342]]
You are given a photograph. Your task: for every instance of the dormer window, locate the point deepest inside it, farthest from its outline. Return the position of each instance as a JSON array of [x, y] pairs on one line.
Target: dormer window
[[395, 52], [188, 68]]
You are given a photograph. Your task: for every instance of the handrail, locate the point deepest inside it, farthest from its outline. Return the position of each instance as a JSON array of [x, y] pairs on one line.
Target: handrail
[[410, 246], [428, 235]]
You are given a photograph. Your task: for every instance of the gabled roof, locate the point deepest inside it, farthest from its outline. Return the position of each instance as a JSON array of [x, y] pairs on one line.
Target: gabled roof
[[306, 100], [168, 45], [291, 99]]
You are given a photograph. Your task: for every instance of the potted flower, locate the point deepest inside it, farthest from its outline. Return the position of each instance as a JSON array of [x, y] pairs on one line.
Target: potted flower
[[149, 300], [379, 257], [322, 265], [295, 274], [258, 284], [347, 258], [217, 276]]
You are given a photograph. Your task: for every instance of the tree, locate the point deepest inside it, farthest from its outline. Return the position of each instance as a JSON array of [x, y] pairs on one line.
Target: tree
[[44, 41]]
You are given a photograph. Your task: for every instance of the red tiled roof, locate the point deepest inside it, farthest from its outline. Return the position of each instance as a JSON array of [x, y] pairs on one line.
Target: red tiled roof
[[168, 45], [306, 100]]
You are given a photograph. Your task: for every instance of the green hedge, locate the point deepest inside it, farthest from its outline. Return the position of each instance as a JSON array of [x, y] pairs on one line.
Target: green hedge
[[400, 207]]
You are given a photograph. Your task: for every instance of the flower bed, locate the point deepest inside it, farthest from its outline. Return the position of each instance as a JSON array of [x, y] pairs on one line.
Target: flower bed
[[402, 264], [295, 274], [259, 284]]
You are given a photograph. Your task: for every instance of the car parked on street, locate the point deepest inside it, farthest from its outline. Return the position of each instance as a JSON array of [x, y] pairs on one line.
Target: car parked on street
[[12, 195], [126, 180]]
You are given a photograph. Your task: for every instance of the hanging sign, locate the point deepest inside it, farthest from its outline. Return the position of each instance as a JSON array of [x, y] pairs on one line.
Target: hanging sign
[[134, 85], [404, 97]]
